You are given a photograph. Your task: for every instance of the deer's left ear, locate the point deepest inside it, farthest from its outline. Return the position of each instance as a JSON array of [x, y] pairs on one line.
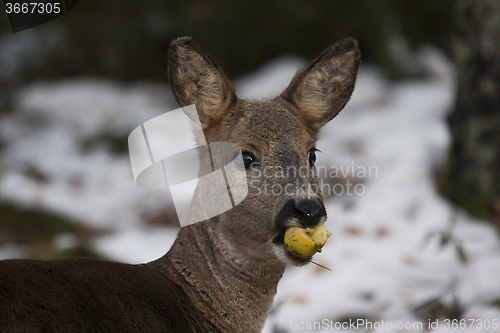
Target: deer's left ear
[[322, 89]]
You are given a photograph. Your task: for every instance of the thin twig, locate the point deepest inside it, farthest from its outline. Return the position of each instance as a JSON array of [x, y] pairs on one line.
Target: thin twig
[[321, 265]]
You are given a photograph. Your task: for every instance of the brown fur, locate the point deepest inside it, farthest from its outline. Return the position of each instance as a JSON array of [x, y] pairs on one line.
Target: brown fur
[[221, 274]]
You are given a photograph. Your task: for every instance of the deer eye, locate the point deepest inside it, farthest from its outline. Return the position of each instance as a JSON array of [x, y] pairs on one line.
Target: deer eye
[[248, 159], [312, 156]]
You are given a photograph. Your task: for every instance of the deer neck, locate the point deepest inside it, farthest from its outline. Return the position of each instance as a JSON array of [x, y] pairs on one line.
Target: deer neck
[[233, 291]]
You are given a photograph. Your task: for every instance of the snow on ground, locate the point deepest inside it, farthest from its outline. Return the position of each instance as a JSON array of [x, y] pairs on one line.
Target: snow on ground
[[385, 254], [50, 125]]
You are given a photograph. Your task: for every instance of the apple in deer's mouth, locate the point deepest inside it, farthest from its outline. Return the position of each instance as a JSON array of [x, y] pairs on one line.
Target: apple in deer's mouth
[[303, 243]]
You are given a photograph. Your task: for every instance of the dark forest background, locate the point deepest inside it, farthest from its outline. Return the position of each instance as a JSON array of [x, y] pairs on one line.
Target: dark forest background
[[128, 39]]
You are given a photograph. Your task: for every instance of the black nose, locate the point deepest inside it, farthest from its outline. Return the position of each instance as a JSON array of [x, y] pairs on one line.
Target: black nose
[[310, 211]]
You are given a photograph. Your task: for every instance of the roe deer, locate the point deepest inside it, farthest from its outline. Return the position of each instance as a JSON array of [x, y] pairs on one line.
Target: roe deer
[[221, 274]]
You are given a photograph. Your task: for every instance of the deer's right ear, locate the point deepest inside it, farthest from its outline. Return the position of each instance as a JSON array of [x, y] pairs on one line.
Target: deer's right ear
[[196, 79], [322, 89]]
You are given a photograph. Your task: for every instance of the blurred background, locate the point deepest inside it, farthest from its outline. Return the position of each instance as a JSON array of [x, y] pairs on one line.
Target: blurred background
[[420, 243]]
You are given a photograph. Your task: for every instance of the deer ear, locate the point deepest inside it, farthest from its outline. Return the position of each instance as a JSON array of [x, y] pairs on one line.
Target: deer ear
[[322, 89], [196, 79]]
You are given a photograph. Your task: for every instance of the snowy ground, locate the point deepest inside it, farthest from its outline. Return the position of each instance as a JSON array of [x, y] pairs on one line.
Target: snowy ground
[[385, 254]]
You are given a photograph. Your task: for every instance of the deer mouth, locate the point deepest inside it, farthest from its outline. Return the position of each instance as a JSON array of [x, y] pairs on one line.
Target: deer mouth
[[297, 241]]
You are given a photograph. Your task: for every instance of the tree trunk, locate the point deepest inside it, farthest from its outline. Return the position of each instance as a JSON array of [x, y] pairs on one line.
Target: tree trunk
[[472, 177]]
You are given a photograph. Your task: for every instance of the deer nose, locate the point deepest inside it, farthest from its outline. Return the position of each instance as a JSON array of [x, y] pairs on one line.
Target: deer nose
[[310, 209]]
